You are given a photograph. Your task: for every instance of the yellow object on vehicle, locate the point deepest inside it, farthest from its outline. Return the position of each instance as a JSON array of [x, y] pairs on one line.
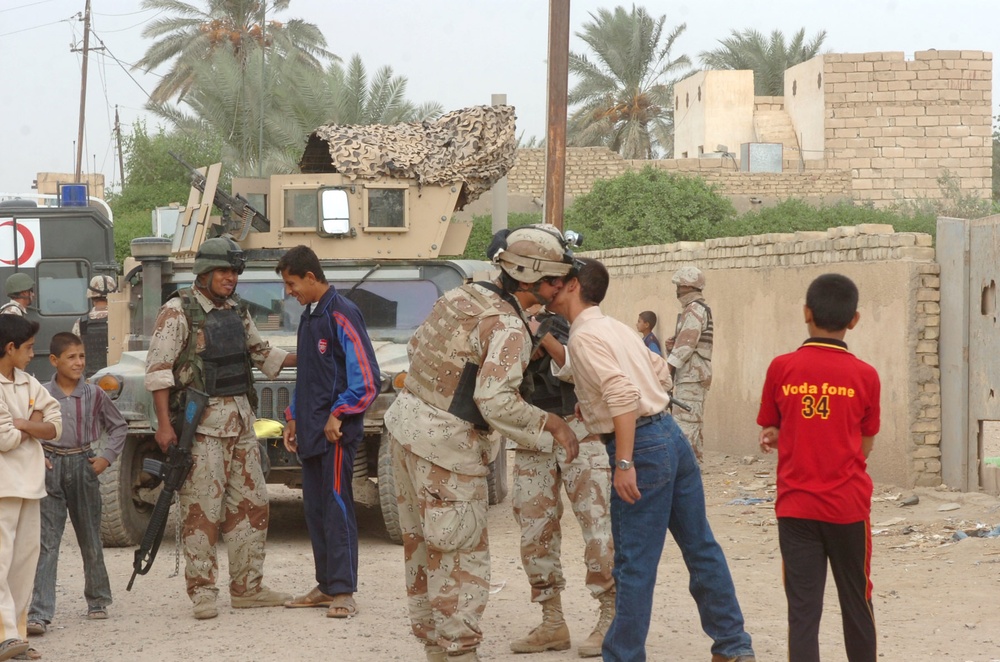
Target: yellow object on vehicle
[[266, 428]]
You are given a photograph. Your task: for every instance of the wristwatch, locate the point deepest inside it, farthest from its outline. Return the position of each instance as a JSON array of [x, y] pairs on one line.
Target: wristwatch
[[624, 465]]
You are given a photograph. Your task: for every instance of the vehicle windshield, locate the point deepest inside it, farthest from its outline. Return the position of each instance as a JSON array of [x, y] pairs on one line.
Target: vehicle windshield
[[392, 309]]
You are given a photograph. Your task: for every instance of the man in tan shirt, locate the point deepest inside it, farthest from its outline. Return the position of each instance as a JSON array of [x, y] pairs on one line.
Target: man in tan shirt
[[622, 390]]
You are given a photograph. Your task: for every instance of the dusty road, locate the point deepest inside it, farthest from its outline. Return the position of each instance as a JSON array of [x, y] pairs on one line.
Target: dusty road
[[934, 599]]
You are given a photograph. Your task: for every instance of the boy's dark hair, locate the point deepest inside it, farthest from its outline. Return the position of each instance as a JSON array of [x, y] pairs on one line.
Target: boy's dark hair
[[594, 279], [299, 261], [649, 317], [63, 341], [833, 300], [15, 329]]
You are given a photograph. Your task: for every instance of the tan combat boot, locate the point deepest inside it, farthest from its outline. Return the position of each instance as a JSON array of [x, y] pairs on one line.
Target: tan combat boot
[[592, 646], [551, 635], [435, 653]]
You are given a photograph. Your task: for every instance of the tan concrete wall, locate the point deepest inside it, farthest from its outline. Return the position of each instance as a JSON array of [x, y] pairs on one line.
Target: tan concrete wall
[[805, 103], [756, 288], [713, 108], [899, 124]]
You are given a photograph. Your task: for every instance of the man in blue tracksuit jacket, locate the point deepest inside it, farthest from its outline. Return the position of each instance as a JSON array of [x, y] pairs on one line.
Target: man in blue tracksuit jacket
[[337, 379]]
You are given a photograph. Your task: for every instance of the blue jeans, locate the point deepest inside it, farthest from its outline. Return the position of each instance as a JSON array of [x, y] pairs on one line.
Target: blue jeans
[[72, 488], [669, 480]]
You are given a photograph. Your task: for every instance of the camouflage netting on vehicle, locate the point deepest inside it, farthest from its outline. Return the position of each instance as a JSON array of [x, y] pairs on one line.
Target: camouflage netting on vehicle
[[474, 146]]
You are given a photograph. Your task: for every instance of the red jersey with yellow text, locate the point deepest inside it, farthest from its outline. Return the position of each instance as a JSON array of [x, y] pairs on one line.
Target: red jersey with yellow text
[[822, 399]]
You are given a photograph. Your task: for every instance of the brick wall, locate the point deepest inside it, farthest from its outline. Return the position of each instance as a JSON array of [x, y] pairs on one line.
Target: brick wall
[[756, 289], [897, 125], [585, 165]]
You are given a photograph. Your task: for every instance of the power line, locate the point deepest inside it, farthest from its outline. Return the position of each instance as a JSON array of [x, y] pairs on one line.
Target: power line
[[30, 4], [121, 64], [44, 25], [132, 27], [131, 13]]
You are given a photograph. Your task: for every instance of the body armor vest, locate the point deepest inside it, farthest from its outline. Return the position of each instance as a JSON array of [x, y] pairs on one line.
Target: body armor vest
[[224, 358], [443, 365], [223, 368], [94, 333], [704, 347]]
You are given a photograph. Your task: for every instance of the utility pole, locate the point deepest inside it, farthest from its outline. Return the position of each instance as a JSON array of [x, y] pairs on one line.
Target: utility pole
[[118, 135], [83, 90], [499, 191], [555, 141]]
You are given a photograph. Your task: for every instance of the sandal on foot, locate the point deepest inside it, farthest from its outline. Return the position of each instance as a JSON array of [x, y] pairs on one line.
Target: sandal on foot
[[9, 648], [97, 614], [30, 654], [37, 628], [314, 598], [342, 606]]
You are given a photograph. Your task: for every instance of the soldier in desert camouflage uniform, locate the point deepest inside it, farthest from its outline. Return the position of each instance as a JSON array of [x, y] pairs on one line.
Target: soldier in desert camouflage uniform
[[538, 508], [690, 355], [225, 491], [467, 362]]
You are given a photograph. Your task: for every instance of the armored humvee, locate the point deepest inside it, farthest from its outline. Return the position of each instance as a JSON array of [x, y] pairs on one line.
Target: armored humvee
[[375, 203]]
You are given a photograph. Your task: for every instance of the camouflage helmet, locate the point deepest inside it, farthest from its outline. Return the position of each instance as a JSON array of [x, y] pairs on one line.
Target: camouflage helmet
[[690, 277], [19, 282], [219, 253], [101, 286], [533, 252]]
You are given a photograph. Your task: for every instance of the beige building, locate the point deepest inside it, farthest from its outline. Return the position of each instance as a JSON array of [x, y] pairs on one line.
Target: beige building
[[898, 126]]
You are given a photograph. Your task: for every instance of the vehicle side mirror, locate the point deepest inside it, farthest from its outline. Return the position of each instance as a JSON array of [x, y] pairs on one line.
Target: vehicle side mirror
[[335, 217]]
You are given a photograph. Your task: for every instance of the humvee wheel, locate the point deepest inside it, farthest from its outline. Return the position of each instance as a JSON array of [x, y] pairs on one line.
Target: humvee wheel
[[126, 498], [387, 490], [496, 480]]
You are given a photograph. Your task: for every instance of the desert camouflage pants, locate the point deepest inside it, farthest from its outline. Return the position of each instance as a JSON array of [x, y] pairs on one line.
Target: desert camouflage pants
[[538, 508], [442, 517], [690, 422], [224, 494]]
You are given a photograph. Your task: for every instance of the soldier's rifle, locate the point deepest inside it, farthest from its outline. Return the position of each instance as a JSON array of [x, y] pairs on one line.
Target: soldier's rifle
[[173, 472], [230, 205]]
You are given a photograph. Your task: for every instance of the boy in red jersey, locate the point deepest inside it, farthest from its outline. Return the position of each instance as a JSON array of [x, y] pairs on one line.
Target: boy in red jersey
[[820, 409]]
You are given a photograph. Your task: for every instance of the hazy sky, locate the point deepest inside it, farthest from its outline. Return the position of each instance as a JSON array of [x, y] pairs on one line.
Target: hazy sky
[[455, 52]]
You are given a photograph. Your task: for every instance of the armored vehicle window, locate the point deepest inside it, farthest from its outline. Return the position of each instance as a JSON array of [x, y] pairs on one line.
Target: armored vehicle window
[[385, 208], [392, 309], [62, 287], [270, 309], [336, 214], [301, 208]]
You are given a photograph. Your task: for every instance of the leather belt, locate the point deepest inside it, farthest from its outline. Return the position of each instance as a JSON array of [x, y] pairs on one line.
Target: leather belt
[[642, 421], [65, 451]]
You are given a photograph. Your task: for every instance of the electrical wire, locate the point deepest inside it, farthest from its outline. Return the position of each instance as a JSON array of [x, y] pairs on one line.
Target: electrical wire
[[30, 4], [132, 13], [36, 27]]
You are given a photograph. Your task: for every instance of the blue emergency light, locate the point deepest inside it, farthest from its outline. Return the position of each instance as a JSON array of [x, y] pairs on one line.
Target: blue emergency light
[[73, 195]]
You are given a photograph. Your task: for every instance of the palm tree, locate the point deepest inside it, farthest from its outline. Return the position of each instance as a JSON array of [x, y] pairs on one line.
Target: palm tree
[[383, 101], [768, 58], [624, 96], [227, 102], [189, 35]]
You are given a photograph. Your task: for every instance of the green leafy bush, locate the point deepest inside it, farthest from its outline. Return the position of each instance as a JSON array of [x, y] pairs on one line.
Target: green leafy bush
[[797, 215], [648, 207]]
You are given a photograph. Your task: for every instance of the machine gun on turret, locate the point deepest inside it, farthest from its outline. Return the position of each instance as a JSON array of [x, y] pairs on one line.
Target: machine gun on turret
[[238, 215]]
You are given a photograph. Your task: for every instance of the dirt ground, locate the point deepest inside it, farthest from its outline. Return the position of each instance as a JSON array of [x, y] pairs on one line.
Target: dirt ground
[[935, 598]]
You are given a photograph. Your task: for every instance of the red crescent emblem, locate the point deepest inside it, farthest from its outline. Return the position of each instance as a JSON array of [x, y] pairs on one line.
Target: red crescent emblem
[[27, 239]]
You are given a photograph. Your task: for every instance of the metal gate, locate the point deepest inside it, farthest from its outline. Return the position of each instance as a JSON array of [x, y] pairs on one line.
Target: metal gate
[[969, 255]]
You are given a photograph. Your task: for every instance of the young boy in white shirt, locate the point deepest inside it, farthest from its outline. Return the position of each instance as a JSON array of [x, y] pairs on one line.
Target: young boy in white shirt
[[28, 413]]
